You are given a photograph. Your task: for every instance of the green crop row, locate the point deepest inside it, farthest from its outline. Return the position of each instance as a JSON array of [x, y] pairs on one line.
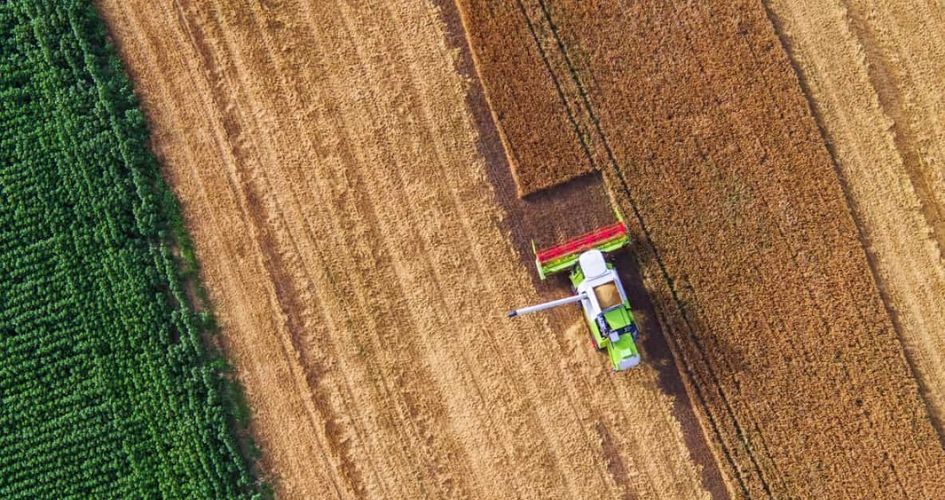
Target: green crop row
[[106, 386]]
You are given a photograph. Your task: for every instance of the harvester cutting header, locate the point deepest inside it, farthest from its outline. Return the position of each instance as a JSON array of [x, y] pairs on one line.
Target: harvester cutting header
[[597, 288]]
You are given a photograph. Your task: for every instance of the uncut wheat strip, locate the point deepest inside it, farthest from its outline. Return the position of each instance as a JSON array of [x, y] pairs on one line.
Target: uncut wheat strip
[[812, 278], [535, 124], [901, 453], [906, 259], [799, 220], [896, 449]]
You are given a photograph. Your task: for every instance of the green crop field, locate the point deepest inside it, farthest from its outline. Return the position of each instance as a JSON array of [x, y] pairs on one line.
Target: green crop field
[[106, 386]]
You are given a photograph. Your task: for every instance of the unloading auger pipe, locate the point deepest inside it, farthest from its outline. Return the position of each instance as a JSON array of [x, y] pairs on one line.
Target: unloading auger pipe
[[548, 305]]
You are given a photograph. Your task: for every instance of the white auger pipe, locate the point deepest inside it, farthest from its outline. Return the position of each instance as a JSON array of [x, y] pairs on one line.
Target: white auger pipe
[[548, 305]]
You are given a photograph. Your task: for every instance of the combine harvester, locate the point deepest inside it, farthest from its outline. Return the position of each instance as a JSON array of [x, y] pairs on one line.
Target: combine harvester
[[597, 287]]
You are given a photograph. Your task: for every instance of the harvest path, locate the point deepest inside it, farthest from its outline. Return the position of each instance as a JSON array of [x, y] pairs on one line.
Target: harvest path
[[751, 256], [358, 259]]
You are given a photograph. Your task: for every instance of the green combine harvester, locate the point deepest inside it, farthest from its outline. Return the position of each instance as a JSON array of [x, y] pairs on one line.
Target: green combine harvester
[[598, 288]]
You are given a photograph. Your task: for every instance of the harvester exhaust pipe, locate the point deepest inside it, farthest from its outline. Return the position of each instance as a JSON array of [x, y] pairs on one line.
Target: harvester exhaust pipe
[[548, 305]]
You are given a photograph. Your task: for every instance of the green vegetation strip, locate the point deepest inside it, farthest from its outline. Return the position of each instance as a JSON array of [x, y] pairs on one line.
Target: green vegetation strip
[[106, 386]]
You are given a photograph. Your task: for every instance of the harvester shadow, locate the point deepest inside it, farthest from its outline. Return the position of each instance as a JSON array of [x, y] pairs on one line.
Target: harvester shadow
[[658, 355], [652, 338], [727, 359]]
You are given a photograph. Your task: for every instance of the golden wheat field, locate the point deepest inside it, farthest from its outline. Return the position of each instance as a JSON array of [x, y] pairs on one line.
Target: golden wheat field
[[362, 180]]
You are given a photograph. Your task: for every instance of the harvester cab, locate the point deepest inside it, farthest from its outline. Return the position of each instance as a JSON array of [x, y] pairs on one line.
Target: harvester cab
[[597, 288]]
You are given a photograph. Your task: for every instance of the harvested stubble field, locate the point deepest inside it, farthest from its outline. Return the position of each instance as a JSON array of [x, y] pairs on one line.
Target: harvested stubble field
[[361, 236], [747, 243], [354, 234]]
